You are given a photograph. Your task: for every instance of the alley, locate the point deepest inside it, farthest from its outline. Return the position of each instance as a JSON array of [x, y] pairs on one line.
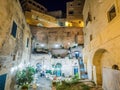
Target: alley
[[44, 84], [73, 45]]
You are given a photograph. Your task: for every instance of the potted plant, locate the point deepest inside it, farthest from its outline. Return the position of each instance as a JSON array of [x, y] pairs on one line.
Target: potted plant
[[25, 77], [24, 87]]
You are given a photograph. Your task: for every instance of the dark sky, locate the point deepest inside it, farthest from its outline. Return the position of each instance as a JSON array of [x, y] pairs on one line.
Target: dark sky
[[52, 5]]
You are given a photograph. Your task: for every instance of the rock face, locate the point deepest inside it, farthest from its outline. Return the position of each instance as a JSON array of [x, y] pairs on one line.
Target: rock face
[[15, 38], [50, 37]]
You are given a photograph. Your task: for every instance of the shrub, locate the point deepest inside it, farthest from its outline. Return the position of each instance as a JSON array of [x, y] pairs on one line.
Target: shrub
[[25, 76], [85, 87]]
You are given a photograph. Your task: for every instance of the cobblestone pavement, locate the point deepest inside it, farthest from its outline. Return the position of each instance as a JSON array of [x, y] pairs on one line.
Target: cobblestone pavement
[[44, 84]]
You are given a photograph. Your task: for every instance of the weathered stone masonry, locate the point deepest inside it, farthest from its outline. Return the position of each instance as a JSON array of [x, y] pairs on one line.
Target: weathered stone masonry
[[14, 47]]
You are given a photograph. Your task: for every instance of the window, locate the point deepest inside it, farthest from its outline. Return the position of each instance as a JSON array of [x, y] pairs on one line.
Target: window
[[37, 43], [0, 66], [61, 23], [79, 21], [111, 13], [68, 34], [27, 42], [14, 29], [116, 67], [71, 12], [89, 18], [79, 4], [14, 56], [34, 4], [42, 8], [91, 37], [38, 6], [30, 2]]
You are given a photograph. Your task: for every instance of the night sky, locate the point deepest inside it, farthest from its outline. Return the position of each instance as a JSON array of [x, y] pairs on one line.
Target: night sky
[[53, 5]]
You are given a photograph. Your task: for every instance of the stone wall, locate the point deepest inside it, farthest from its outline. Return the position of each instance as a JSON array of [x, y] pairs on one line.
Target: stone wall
[[74, 9], [74, 17], [14, 47], [67, 37], [47, 63], [40, 19], [101, 37], [28, 5]]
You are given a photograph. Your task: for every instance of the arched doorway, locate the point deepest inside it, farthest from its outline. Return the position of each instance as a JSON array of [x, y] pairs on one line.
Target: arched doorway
[[58, 69], [3, 81], [98, 61]]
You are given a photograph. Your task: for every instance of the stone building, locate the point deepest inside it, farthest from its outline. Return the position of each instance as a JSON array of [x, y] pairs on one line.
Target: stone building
[[36, 14], [73, 18], [65, 37], [54, 45], [51, 46], [49, 64], [101, 42], [15, 42], [74, 15], [40, 19], [29, 5]]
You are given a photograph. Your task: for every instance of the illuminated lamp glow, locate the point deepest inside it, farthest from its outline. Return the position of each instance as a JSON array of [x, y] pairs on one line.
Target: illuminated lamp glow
[[68, 43], [42, 45], [57, 45], [66, 23], [21, 66], [70, 25], [82, 24], [13, 69]]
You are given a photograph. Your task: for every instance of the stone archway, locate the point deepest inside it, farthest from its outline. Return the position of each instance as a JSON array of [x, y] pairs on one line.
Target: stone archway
[[99, 61]]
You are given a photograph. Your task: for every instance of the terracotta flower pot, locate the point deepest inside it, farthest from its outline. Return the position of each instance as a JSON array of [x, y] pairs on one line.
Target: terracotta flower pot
[[24, 87]]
